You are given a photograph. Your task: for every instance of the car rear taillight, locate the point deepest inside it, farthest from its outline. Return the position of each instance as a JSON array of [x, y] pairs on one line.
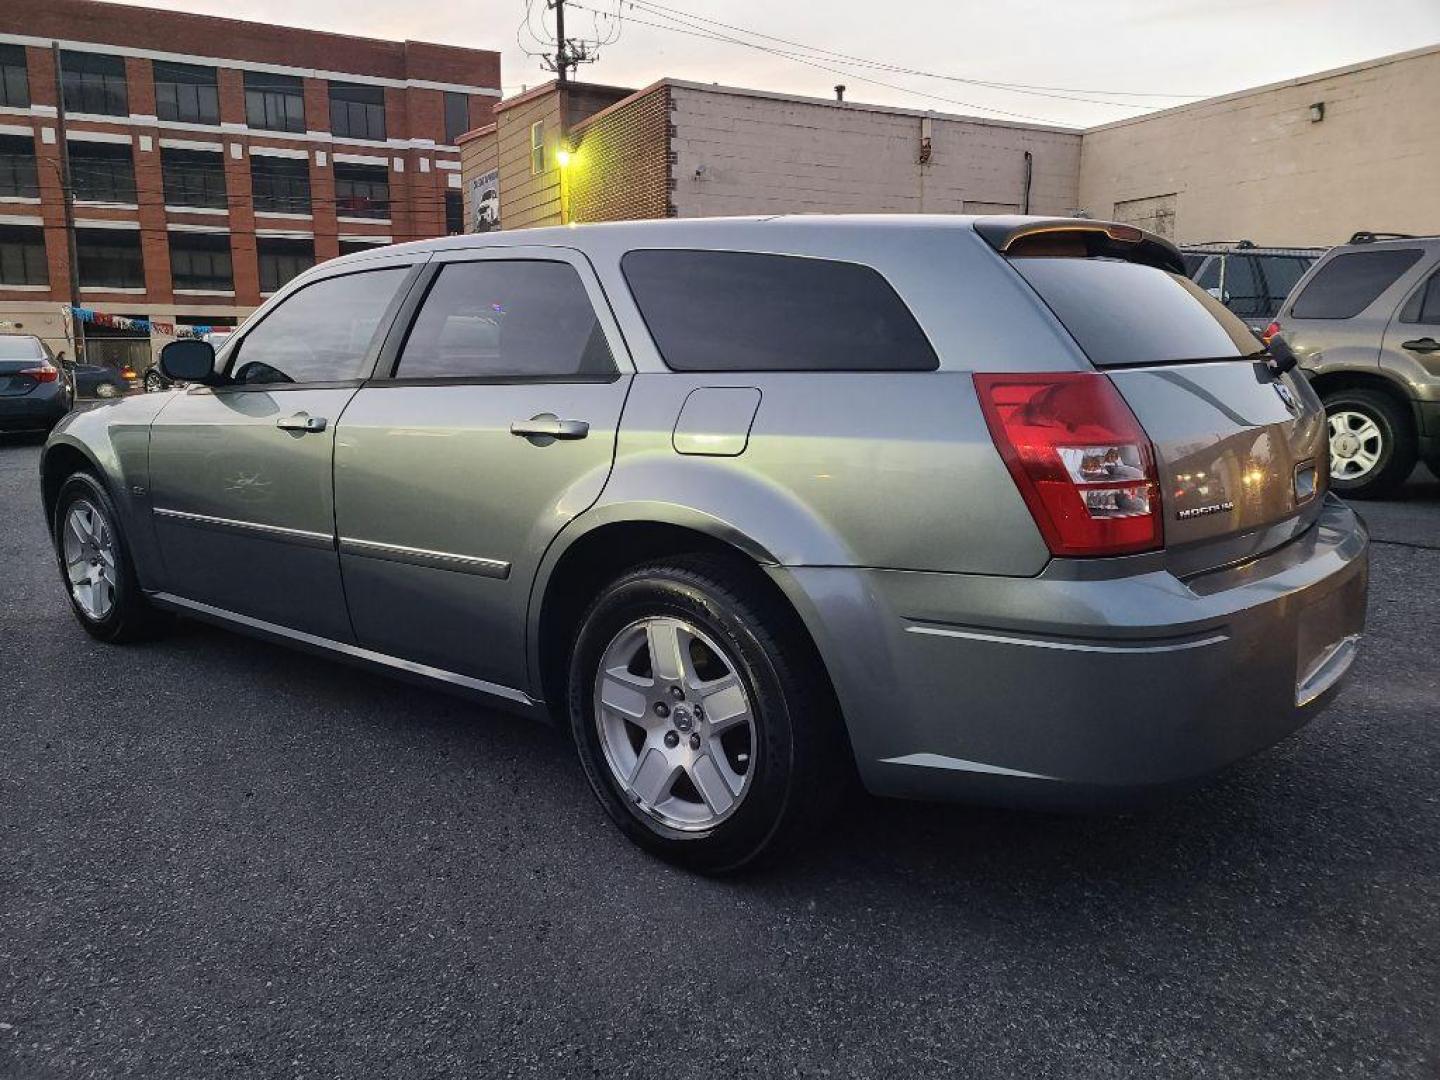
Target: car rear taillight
[[1083, 464], [1269, 332], [128, 372], [46, 372]]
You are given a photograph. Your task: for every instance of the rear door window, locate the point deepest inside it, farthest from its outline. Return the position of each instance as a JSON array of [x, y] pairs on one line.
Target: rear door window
[[1424, 305], [1244, 294], [506, 319], [1349, 283], [1123, 314], [743, 311]]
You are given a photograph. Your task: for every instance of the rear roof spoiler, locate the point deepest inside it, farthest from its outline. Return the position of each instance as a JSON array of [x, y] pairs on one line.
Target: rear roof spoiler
[[1019, 236]]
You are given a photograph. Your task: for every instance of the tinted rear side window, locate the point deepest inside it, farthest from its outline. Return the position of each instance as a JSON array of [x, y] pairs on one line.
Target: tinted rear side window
[[1124, 314], [1349, 283], [740, 311]]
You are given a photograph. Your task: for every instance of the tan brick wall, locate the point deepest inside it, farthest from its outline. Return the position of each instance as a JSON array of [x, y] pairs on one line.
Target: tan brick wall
[[621, 168], [740, 152], [528, 200], [1254, 166]]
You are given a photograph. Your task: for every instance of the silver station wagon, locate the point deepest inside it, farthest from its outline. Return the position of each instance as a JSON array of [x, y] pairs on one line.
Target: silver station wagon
[[1001, 508]]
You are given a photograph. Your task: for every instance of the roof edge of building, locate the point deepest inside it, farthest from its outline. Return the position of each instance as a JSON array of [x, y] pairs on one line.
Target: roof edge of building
[[1282, 84]]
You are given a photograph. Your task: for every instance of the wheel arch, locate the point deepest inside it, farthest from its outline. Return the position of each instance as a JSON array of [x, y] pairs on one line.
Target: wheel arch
[[614, 540], [1329, 382], [61, 459]]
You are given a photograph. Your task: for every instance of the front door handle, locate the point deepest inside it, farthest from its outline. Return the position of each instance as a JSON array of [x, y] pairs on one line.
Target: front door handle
[[301, 421], [1424, 344], [550, 426]]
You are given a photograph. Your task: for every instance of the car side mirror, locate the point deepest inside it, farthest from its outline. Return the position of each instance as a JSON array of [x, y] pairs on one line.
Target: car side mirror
[[189, 360]]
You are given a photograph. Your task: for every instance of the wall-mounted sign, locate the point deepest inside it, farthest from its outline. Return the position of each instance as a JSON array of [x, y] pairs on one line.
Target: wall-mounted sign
[[485, 202]]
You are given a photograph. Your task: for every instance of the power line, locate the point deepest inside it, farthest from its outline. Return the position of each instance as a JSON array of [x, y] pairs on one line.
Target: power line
[[666, 11]]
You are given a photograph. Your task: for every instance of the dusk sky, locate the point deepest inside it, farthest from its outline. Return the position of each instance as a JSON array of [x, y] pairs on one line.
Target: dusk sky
[[1099, 50]]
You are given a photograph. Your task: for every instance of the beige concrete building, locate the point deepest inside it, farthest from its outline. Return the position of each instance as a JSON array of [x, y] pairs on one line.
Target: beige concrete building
[[1305, 162], [1308, 161]]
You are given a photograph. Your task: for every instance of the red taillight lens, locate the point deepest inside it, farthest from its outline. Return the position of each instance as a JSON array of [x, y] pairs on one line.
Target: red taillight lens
[[128, 373], [1082, 462], [1269, 332], [43, 373]]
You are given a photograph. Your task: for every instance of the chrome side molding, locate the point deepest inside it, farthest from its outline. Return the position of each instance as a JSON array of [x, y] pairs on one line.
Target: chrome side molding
[[253, 528], [435, 560]]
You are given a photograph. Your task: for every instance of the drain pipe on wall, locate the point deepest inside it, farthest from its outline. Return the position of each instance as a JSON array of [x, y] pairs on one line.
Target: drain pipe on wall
[[1029, 172]]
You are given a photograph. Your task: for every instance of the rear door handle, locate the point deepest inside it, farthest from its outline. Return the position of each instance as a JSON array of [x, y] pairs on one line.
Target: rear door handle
[[1424, 344], [550, 426], [301, 421]]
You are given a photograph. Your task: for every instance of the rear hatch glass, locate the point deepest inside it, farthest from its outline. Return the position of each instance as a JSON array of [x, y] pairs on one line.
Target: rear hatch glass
[[1239, 451], [18, 354]]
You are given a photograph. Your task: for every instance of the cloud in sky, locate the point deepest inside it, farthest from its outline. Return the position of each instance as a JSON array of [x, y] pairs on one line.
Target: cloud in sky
[[1193, 47]]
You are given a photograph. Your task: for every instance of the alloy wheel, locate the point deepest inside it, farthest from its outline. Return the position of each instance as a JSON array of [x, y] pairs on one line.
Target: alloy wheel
[[1356, 443], [676, 723], [88, 546]]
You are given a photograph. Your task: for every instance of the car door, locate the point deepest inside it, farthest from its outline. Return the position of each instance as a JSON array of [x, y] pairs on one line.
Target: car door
[[241, 474], [494, 426], [1412, 340]]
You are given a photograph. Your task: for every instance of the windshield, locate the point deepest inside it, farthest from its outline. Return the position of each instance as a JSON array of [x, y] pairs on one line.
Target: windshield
[[1124, 314]]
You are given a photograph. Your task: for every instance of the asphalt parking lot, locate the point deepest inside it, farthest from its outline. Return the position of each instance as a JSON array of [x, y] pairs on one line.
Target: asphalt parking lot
[[220, 858]]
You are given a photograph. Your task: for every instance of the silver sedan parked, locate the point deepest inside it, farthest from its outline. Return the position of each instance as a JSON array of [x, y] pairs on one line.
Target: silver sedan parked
[[997, 508]]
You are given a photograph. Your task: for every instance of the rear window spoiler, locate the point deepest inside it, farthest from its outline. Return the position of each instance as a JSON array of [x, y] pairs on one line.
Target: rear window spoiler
[[1020, 237]]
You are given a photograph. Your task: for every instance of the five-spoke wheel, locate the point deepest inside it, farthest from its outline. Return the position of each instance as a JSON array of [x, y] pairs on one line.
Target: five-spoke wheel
[[88, 548]]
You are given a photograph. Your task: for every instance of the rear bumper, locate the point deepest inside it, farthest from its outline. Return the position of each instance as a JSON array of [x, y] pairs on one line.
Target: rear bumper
[[39, 410], [1056, 690]]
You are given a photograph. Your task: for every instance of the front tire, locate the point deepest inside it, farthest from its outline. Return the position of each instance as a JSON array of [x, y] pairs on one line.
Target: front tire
[[702, 716], [1373, 445], [154, 382], [95, 566]]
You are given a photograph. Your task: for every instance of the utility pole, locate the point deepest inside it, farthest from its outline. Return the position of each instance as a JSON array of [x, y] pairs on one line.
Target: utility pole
[[562, 60], [67, 190]]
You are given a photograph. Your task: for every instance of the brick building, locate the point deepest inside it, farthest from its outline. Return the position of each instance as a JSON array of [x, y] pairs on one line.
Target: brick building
[[683, 149], [213, 159]]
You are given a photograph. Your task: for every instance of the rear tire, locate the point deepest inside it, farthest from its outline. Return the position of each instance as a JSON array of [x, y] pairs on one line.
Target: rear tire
[[106, 390], [1373, 445], [696, 786], [154, 382], [95, 568]]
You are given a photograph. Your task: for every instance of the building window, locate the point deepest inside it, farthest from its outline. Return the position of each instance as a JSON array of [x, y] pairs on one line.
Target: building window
[[362, 191], [274, 102], [357, 112], [186, 92], [354, 247], [201, 261], [282, 259], [22, 255], [110, 258], [457, 116], [194, 178], [537, 148], [102, 172], [94, 83], [280, 185], [14, 82], [17, 167], [454, 213]]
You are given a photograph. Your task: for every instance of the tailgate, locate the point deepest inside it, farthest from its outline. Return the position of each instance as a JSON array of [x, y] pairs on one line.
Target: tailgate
[[1238, 451]]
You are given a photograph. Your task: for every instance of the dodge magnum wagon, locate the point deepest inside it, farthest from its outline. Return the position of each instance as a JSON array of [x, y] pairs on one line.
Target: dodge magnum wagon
[[1002, 508]]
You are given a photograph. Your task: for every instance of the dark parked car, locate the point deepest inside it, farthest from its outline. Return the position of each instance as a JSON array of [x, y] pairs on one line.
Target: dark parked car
[[103, 381], [35, 391], [1251, 281]]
